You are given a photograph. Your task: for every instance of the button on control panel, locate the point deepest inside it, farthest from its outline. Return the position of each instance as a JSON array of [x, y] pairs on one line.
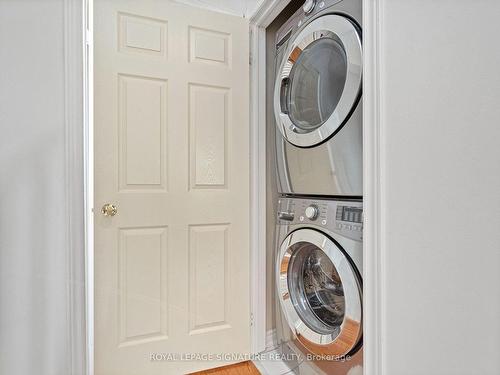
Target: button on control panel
[[284, 215], [349, 218]]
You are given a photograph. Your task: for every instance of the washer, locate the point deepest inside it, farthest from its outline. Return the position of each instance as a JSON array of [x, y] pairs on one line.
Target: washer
[[317, 100], [319, 285]]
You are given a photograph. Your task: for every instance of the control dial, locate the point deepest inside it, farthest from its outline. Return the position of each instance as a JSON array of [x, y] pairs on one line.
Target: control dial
[[312, 212], [309, 6]]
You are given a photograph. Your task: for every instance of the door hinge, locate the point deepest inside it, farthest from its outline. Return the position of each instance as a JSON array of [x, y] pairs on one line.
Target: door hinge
[[251, 320], [88, 37]]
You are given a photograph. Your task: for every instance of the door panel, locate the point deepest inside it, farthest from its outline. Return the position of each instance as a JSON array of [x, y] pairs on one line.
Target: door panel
[[208, 110], [142, 121], [171, 152]]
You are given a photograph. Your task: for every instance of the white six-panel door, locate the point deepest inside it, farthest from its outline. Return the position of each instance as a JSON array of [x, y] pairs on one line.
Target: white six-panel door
[[172, 153]]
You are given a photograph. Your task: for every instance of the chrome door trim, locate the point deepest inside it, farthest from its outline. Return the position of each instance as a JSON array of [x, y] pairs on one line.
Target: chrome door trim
[[327, 26], [351, 328]]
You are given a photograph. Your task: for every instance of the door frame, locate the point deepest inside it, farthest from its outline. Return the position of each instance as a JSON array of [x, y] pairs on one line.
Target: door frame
[[88, 154], [373, 241], [73, 202], [262, 18], [373, 189]]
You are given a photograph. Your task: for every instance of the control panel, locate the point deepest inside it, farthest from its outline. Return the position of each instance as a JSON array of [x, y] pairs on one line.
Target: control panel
[[341, 216], [310, 8]]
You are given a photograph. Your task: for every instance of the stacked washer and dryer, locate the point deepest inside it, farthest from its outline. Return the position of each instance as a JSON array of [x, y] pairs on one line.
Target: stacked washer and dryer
[[319, 249]]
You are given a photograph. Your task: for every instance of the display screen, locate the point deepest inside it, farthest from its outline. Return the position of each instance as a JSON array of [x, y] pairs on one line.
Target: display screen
[[350, 214]]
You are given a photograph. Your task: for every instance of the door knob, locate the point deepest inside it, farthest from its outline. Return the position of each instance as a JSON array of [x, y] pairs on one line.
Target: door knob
[[109, 209]]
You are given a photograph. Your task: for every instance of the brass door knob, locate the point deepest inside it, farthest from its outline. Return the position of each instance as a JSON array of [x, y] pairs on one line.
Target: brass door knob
[[109, 209]]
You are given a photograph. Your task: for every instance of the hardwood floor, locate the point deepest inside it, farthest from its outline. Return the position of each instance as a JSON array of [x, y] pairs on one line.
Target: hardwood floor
[[243, 368]]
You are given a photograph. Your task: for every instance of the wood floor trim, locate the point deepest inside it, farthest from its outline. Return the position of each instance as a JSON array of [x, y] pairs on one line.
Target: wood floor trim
[[242, 368]]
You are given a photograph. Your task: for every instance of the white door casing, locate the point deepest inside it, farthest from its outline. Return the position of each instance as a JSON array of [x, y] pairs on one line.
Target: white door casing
[[172, 153]]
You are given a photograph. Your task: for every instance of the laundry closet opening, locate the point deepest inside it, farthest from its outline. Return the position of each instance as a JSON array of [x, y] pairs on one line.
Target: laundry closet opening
[[314, 146]]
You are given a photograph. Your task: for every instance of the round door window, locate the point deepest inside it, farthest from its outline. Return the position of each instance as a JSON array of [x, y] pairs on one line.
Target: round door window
[[316, 289], [317, 81], [319, 291]]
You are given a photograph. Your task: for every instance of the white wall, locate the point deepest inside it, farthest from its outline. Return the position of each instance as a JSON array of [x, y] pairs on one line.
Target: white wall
[[440, 138], [36, 333]]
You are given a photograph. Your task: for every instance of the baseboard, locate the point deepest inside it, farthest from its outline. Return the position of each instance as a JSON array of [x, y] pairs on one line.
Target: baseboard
[[268, 362], [271, 339]]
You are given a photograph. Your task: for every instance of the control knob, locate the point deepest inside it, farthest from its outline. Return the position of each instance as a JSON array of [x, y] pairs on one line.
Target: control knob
[[309, 6], [312, 212]]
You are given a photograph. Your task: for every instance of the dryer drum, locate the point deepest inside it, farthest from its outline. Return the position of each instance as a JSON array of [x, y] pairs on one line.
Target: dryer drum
[[319, 81]]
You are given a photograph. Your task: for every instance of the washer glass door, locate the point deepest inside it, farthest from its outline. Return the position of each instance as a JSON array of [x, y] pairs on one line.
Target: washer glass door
[[320, 292], [316, 289], [319, 81]]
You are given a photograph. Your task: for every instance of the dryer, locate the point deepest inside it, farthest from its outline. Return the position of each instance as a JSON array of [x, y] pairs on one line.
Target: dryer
[[317, 100], [318, 273]]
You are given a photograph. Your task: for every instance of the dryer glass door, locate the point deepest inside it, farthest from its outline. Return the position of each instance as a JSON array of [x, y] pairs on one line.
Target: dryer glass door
[[316, 83], [319, 82], [320, 292]]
